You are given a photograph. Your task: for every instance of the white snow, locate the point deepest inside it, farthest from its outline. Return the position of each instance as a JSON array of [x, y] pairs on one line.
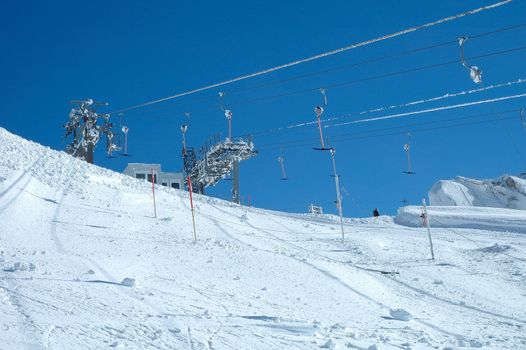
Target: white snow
[[504, 192], [401, 315], [255, 279], [128, 282], [496, 219]]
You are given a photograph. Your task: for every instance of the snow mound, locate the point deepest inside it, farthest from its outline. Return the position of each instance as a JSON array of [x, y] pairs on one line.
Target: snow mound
[[493, 219], [58, 169], [504, 192], [330, 344], [400, 315], [496, 248], [19, 266], [128, 282]]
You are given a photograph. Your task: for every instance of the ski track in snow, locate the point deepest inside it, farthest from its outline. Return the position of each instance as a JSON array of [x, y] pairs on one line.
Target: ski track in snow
[[383, 307], [419, 291]]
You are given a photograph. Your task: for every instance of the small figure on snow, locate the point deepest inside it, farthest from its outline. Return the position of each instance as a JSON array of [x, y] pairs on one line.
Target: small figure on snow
[[376, 213], [423, 216]]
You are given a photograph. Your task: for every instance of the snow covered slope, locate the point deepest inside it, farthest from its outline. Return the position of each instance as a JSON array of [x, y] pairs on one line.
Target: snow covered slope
[[85, 265], [496, 219], [504, 192]]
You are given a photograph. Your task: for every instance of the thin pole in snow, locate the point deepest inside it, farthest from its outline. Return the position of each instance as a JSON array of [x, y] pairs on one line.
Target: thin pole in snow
[[338, 194], [192, 206], [426, 222], [249, 200], [153, 194]]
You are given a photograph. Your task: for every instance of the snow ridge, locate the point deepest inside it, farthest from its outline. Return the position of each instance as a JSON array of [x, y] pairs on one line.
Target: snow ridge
[[504, 192]]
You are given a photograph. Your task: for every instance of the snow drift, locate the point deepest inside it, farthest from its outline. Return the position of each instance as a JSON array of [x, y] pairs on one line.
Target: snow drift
[[494, 219], [504, 192]]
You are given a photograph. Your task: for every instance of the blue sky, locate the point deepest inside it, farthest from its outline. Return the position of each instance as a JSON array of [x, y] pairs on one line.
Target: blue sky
[[128, 52]]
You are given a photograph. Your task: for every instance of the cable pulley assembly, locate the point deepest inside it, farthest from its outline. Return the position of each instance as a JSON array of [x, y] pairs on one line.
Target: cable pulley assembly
[[475, 73]]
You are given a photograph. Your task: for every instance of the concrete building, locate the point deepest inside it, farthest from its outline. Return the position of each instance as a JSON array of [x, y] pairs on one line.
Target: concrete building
[[144, 171]]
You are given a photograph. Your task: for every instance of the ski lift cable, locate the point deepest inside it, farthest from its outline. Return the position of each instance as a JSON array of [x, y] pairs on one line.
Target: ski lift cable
[[395, 106], [365, 132], [341, 140], [370, 78], [429, 110], [377, 77], [346, 83], [373, 60], [322, 55], [360, 135]]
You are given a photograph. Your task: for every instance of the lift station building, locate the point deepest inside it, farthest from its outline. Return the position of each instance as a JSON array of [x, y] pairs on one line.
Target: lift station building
[[144, 171]]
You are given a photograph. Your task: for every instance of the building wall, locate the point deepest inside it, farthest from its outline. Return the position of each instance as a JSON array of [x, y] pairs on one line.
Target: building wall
[[144, 171]]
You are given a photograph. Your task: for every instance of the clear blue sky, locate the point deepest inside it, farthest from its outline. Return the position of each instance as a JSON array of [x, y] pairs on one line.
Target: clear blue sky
[[128, 52]]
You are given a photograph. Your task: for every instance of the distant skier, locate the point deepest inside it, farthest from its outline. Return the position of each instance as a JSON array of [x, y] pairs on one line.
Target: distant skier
[[423, 216], [376, 213]]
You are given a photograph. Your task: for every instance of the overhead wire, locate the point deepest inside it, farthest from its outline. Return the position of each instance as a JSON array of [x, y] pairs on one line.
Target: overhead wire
[[374, 60], [379, 76], [361, 80], [429, 110], [399, 132], [360, 133], [358, 136], [319, 56], [448, 95], [395, 106]]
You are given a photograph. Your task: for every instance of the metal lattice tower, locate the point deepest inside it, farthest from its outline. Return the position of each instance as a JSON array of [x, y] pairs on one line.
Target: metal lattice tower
[[215, 161], [83, 125]]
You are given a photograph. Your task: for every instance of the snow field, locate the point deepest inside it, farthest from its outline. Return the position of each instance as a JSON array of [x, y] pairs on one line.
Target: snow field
[[254, 279]]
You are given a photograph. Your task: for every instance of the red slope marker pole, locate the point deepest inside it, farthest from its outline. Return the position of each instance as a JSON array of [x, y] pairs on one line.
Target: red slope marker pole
[[153, 194], [192, 206]]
